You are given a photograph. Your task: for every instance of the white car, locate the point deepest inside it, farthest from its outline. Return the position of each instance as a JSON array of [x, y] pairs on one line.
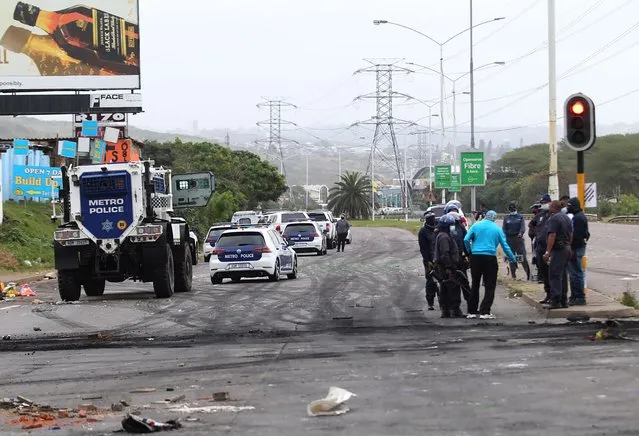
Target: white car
[[211, 238], [326, 221], [307, 237], [245, 217], [276, 219], [252, 252]]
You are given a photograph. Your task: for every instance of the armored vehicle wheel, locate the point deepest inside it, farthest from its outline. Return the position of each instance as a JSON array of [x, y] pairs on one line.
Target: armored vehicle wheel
[[164, 277], [183, 269], [69, 285], [94, 287]]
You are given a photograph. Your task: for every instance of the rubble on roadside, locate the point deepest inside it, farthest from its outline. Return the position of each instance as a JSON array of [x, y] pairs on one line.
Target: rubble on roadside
[[29, 415]]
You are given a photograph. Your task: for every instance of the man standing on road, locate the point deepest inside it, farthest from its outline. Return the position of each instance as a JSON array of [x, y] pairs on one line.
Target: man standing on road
[[514, 227], [481, 213], [532, 231], [426, 239], [342, 227], [446, 258], [481, 242], [541, 237], [578, 251], [557, 255]]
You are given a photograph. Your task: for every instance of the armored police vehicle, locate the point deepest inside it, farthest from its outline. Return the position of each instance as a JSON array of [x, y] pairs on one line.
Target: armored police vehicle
[[118, 224]]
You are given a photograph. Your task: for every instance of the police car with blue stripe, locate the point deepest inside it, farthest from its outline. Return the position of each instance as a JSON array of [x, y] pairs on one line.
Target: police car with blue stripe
[[306, 236], [248, 252]]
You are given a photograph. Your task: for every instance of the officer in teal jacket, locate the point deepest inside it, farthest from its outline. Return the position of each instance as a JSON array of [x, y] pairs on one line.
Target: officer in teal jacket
[[481, 242]]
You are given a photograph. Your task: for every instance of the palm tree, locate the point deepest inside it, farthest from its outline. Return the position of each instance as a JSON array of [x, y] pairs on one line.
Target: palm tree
[[351, 195]]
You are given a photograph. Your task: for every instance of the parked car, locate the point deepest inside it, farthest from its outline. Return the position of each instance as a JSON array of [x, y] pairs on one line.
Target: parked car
[[245, 217], [252, 252], [212, 236], [326, 221], [276, 219], [307, 236]]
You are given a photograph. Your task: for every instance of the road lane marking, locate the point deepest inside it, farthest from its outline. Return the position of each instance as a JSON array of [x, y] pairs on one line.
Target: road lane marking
[[9, 307]]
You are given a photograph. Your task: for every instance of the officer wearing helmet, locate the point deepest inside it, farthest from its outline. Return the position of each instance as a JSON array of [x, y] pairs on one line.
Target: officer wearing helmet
[[446, 259], [426, 239], [459, 233], [514, 227]]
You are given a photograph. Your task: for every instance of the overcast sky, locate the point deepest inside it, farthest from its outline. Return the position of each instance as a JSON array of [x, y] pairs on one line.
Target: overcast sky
[[212, 61]]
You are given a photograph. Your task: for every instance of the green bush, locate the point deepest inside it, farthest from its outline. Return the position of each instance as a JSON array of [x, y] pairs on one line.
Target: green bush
[[628, 205], [605, 208]]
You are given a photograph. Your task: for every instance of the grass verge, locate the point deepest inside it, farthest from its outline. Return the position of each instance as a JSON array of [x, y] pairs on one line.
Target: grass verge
[[629, 299], [411, 226], [26, 237]]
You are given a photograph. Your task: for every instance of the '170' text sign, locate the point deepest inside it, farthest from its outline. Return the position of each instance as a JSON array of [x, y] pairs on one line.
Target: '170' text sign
[[473, 170]]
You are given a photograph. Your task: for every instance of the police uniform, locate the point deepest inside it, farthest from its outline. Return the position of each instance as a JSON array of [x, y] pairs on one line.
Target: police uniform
[[515, 227], [426, 240], [561, 226], [541, 238]]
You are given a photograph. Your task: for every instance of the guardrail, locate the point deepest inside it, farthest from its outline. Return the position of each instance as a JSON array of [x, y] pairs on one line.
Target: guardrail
[[624, 218]]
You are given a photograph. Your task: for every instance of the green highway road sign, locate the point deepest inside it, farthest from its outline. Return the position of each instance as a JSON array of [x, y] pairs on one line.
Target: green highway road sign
[[455, 183], [442, 176], [473, 169]]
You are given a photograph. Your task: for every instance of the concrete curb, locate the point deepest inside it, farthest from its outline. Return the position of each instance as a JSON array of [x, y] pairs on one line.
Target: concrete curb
[[36, 277], [615, 310]]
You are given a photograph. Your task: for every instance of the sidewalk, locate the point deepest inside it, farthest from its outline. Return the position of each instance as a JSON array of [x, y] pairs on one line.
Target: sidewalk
[[599, 305], [26, 277]]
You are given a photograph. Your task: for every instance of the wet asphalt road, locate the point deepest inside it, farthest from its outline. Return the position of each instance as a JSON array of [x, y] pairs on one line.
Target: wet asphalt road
[[354, 320]]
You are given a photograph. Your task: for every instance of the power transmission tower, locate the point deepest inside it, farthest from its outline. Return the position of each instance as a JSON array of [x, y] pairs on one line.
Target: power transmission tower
[[274, 141], [384, 121]]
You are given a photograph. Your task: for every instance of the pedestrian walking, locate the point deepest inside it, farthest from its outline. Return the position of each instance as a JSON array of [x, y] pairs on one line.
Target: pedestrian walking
[[557, 255], [580, 238], [342, 227], [426, 238], [514, 226], [481, 242], [446, 259], [541, 238]]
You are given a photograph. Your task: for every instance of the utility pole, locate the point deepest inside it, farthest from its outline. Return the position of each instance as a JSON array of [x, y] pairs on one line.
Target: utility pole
[[384, 121], [473, 189], [553, 178], [275, 139]]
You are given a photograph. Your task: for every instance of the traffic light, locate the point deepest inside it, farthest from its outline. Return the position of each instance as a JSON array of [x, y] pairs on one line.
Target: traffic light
[[579, 116]]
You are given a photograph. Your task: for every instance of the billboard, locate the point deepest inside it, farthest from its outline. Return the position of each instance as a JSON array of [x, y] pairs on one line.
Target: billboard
[[60, 45], [33, 181]]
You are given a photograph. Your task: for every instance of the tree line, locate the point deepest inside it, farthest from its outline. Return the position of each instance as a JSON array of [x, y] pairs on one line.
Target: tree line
[[522, 175], [244, 181]]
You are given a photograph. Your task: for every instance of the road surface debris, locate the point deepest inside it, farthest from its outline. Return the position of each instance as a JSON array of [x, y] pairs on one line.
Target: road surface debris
[[333, 404]]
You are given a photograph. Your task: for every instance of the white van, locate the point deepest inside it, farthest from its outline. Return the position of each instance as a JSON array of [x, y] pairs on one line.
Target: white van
[[245, 217]]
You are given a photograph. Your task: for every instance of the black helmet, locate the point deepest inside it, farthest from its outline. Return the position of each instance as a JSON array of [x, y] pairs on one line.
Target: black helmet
[[429, 218]]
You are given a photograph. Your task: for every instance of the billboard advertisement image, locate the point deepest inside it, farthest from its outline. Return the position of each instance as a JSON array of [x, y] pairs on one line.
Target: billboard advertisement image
[[63, 45]]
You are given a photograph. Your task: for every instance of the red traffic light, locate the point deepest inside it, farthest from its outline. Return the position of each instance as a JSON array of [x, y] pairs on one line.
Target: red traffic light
[[577, 108]]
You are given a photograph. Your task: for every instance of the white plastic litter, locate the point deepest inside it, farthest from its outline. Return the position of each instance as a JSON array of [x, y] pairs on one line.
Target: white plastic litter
[[210, 409], [332, 405]]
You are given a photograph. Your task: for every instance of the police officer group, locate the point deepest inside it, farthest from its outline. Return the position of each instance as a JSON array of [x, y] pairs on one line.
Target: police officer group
[[558, 234]]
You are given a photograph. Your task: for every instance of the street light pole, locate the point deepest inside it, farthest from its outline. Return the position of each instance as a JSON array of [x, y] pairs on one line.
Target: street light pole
[[473, 189], [307, 182]]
